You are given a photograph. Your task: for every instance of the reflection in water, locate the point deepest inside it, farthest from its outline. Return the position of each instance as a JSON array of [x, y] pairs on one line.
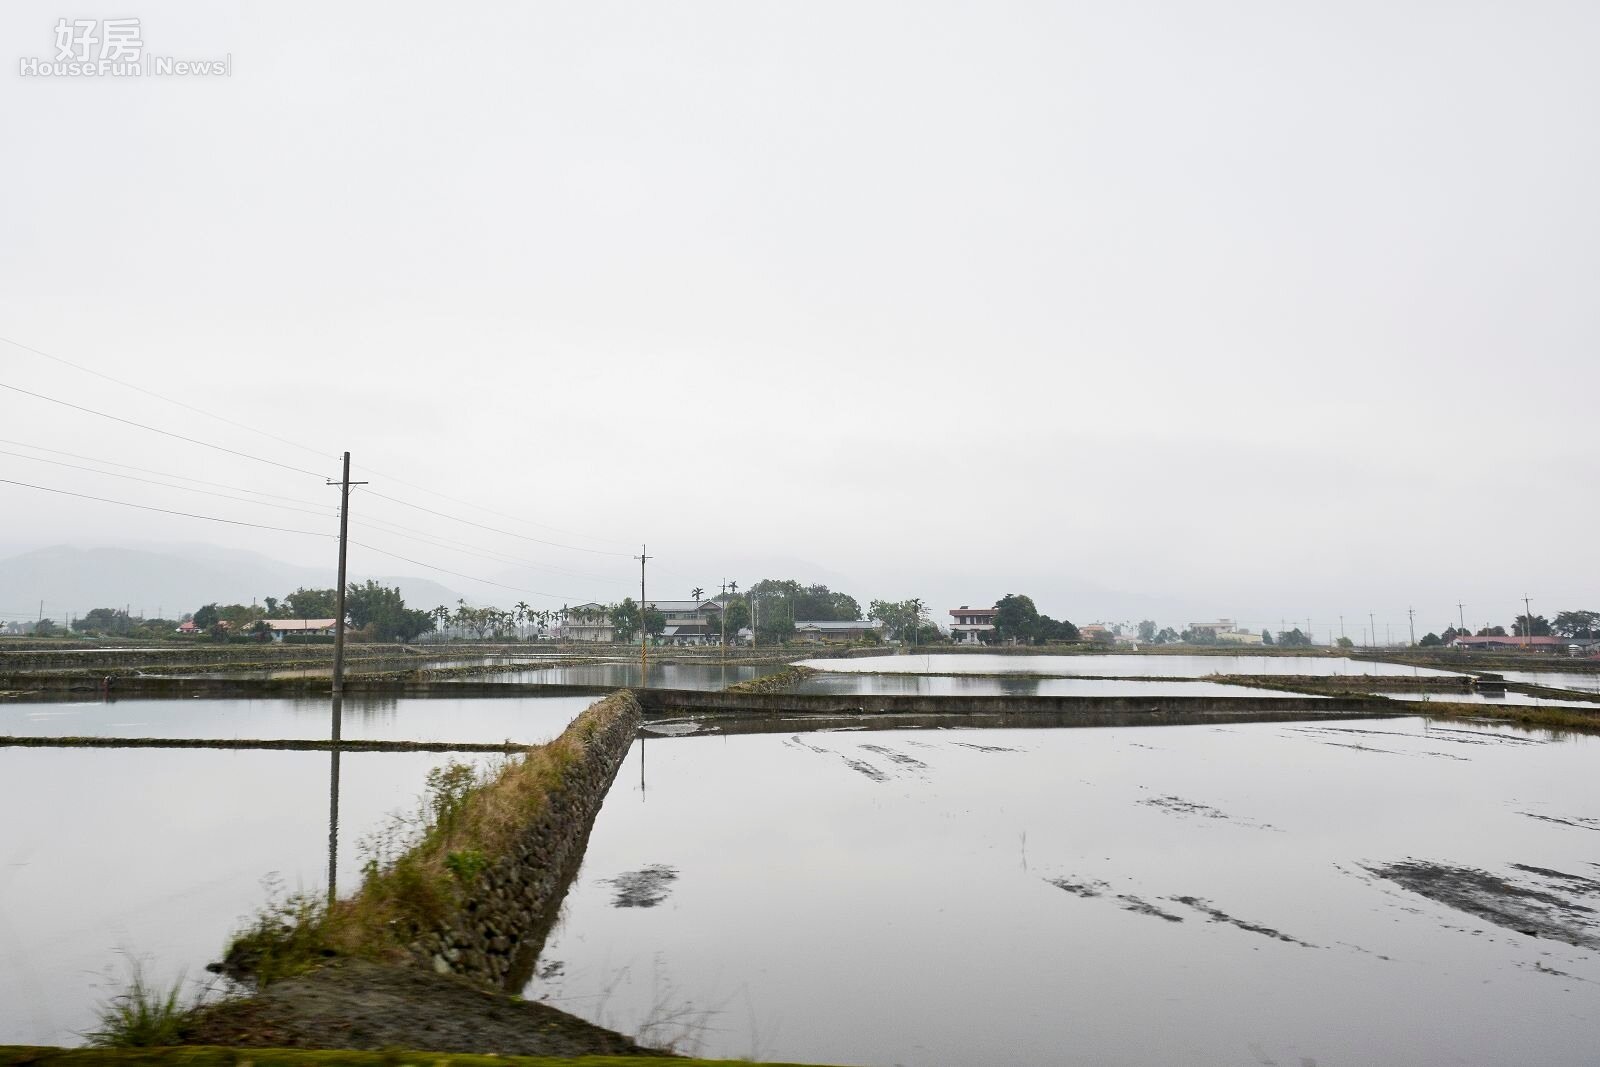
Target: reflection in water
[[1176, 879], [333, 825]]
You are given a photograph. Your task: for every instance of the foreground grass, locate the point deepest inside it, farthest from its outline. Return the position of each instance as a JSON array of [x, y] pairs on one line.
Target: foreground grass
[[19, 1055]]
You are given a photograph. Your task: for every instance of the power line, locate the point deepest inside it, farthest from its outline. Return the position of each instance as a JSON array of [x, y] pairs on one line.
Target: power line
[[491, 511], [165, 485], [152, 429], [165, 511], [161, 474], [469, 577], [166, 399], [284, 529], [492, 529], [450, 544]]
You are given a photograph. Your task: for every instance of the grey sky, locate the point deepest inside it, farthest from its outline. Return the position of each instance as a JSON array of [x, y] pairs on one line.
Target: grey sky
[[1253, 309]]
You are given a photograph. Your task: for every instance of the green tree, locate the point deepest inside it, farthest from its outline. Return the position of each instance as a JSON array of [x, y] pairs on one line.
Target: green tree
[[1580, 624], [1147, 631], [1492, 631], [655, 621], [625, 619], [310, 604], [103, 621], [1266, 637], [45, 628], [206, 617], [1345, 642], [1539, 626], [1016, 618], [1294, 639], [1430, 640]]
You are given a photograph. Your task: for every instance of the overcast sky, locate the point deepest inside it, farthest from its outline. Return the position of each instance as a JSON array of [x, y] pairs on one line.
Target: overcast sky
[[1265, 310]]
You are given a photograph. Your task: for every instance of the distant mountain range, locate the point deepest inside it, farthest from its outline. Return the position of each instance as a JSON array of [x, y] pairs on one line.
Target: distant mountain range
[[72, 580]]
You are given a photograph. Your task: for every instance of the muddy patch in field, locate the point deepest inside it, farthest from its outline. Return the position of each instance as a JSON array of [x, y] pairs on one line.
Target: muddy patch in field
[[1144, 907], [1546, 903], [985, 748], [1217, 915], [902, 758], [1085, 888], [1577, 821], [1179, 806], [644, 888]]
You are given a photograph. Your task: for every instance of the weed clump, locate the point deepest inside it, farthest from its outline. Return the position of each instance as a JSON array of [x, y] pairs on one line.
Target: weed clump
[[145, 1015]]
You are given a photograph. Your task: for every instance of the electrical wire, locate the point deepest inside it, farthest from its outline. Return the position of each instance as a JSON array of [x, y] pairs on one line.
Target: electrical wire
[[166, 485], [491, 511], [160, 474], [492, 529], [468, 577], [166, 399], [152, 429], [166, 511]]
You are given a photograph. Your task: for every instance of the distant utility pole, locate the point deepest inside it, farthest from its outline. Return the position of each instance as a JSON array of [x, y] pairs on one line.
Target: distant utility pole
[[644, 631], [1372, 631], [344, 483], [1412, 614], [1527, 622], [1461, 616], [1341, 627]]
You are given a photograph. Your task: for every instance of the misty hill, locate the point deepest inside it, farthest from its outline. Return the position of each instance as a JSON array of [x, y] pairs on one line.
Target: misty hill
[[72, 580]]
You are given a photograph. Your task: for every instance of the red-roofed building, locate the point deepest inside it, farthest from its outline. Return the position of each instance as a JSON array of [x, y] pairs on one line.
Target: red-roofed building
[[1538, 644]]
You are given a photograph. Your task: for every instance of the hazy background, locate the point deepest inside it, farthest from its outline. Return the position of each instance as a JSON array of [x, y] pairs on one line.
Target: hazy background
[[1174, 310]]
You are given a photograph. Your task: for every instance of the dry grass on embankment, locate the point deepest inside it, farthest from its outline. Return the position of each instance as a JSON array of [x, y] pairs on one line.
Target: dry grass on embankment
[[466, 823]]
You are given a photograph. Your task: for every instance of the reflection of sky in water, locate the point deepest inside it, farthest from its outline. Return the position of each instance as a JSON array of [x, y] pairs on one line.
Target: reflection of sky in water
[[1495, 698], [1588, 683], [662, 675], [484, 720], [906, 917], [949, 685], [161, 852], [1130, 665]]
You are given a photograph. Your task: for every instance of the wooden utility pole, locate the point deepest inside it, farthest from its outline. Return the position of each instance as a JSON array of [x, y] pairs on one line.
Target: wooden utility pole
[[344, 483], [1527, 622], [644, 631]]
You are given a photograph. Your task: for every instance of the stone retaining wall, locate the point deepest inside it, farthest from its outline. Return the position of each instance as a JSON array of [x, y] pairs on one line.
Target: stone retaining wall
[[496, 935]]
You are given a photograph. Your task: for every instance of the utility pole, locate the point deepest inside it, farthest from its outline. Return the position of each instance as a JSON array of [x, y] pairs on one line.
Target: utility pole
[[644, 631], [1372, 631], [1341, 627], [1412, 615], [1527, 622], [1461, 616], [344, 483]]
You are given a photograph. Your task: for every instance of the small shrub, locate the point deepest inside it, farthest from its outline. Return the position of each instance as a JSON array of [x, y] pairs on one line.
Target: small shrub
[[142, 1015], [466, 865]]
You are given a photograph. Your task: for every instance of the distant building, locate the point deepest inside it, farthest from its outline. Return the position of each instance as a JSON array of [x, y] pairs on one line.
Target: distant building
[[1226, 631], [283, 627], [1485, 644], [188, 627], [588, 622], [819, 631], [688, 621], [969, 626]]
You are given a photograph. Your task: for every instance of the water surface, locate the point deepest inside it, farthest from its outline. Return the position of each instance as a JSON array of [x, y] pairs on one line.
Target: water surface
[[1123, 666], [988, 685], [958, 897], [486, 720]]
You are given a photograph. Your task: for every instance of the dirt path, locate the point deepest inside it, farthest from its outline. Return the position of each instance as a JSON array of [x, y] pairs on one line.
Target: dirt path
[[354, 1004]]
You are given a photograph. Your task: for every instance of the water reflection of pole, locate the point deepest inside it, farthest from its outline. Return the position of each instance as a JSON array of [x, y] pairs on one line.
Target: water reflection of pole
[[641, 767], [333, 811]]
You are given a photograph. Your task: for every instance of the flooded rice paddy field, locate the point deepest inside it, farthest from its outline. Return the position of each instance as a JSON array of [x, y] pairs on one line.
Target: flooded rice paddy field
[[1491, 699], [529, 720], [623, 674], [161, 853], [1131, 665], [1579, 680], [1359, 892], [1042, 686]]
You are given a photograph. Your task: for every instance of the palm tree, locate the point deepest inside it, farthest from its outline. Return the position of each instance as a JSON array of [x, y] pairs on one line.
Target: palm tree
[[697, 593], [521, 610], [733, 587]]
